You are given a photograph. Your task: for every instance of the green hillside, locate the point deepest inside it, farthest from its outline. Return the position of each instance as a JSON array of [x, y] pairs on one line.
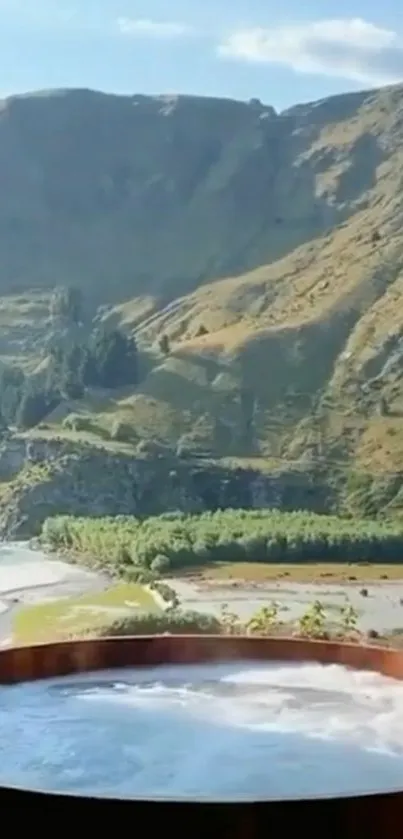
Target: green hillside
[[266, 247]]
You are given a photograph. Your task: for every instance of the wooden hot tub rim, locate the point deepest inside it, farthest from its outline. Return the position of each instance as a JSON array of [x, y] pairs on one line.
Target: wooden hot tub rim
[[371, 815], [41, 661]]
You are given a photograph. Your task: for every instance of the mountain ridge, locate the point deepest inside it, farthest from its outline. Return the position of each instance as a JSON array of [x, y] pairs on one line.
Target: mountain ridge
[[266, 247], [196, 158]]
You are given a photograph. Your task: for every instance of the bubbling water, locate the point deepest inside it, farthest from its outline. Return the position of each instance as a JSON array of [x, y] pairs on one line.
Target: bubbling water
[[236, 731]]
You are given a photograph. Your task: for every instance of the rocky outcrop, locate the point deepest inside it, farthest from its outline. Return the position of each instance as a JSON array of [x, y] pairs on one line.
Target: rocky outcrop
[[61, 478], [17, 452]]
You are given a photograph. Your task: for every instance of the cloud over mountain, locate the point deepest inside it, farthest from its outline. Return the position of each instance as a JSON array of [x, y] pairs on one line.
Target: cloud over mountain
[[351, 49]]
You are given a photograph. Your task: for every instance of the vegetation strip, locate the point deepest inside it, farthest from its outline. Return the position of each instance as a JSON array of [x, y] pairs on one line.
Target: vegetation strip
[[142, 549], [139, 551], [57, 621]]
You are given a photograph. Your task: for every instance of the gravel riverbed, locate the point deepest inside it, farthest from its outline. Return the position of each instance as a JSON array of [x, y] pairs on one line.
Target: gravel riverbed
[[381, 609]]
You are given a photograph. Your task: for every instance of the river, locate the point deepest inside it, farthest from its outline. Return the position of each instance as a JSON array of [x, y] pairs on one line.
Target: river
[[29, 576]]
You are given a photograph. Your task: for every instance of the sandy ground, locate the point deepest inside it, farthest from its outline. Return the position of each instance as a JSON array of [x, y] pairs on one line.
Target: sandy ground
[[28, 576], [381, 610]]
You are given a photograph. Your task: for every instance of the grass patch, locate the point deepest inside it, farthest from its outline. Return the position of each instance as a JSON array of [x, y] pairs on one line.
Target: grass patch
[[66, 616], [307, 573]]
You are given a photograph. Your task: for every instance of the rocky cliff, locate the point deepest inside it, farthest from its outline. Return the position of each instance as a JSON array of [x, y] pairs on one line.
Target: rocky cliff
[[130, 195], [45, 479]]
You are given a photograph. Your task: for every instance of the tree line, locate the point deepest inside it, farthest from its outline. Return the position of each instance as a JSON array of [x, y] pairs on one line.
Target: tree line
[[100, 357], [160, 544]]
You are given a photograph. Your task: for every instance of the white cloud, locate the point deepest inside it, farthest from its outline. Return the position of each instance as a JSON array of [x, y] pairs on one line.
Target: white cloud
[[351, 49], [152, 28]]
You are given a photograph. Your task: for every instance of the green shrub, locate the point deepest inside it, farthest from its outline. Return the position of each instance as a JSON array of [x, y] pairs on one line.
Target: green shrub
[[161, 564], [77, 422], [167, 593], [174, 622]]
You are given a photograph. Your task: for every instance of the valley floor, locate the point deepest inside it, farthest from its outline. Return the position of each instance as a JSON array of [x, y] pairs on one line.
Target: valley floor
[[379, 605], [30, 578]]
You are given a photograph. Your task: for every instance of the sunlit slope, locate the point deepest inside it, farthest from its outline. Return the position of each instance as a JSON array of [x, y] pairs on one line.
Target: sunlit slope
[[299, 357], [298, 341]]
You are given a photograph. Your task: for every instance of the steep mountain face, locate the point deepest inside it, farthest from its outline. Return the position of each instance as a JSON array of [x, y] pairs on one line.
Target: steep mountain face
[[267, 247], [127, 195]]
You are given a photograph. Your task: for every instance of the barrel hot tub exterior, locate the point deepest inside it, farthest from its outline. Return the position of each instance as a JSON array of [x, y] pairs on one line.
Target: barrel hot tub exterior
[[369, 815]]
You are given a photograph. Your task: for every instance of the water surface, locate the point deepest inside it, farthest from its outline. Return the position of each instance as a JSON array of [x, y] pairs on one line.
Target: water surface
[[224, 732]]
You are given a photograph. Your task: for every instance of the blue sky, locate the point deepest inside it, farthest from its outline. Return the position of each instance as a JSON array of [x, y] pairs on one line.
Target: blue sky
[[281, 52]]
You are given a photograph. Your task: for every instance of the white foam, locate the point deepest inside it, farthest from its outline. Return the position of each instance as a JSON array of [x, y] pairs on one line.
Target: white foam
[[319, 701], [243, 729]]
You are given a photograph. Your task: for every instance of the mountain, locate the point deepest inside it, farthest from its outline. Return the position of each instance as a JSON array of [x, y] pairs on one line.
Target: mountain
[[267, 248], [127, 195]]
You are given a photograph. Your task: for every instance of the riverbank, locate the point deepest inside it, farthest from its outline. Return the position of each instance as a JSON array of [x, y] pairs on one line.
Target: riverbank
[[48, 585], [246, 559], [28, 577]]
